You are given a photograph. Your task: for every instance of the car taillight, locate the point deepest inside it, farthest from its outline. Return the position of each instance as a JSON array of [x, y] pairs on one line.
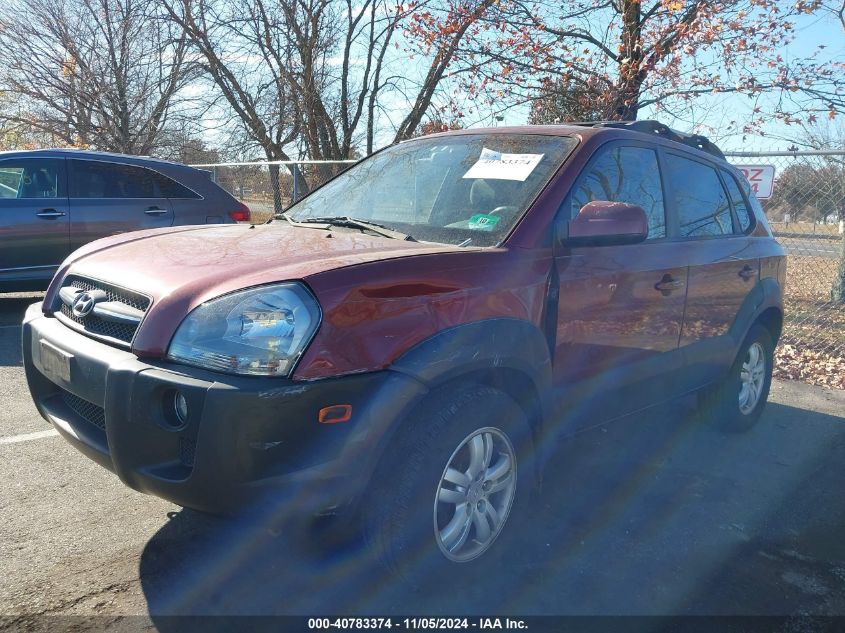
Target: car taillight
[[241, 214]]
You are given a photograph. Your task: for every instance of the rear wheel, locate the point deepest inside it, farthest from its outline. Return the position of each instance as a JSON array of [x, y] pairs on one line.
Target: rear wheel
[[736, 403], [453, 486]]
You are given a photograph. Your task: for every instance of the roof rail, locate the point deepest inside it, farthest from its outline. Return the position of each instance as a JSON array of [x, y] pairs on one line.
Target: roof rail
[[654, 127]]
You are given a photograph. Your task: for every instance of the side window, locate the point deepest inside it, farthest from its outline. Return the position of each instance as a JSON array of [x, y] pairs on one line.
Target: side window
[[700, 199], [36, 178], [624, 174], [743, 214], [95, 179], [756, 207], [169, 188]]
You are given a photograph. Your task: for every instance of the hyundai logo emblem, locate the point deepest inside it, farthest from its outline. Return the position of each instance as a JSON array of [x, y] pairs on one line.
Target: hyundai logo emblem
[[82, 305]]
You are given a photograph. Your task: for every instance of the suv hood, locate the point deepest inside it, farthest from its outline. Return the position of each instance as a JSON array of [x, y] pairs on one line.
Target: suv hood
[[180, 268]]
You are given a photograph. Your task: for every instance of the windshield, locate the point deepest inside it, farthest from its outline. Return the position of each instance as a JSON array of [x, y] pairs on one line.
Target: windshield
[[467, 190]]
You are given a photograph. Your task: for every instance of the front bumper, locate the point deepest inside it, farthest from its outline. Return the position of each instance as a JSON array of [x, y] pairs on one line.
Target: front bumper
[[245, 440]]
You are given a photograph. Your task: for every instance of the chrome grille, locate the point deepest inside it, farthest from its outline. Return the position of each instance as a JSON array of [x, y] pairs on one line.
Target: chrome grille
[[102, 327], [96, 325], [87, 410]]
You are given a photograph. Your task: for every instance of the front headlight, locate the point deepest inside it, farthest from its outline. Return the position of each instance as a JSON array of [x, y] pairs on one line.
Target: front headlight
[[257, 332]]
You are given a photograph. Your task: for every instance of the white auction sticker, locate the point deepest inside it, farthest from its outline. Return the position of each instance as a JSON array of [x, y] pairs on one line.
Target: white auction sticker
[[499, 166]]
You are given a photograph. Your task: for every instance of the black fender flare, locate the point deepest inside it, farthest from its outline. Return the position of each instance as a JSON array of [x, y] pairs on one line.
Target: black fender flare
[[505, 347], [766, 295], [480, 345], [480, 349], [514, 351]]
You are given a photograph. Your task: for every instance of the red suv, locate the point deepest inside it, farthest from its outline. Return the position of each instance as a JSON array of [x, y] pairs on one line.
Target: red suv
[[414, 338]]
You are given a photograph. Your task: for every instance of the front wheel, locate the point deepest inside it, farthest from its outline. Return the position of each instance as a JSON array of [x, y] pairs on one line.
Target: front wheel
[[453, 486], [736, 403]]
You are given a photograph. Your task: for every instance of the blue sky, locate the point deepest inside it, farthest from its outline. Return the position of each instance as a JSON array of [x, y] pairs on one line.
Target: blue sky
[[810, 32]]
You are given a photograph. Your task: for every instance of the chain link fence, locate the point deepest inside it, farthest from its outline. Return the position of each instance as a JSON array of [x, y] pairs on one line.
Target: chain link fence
[[806, 210], [270, 187]]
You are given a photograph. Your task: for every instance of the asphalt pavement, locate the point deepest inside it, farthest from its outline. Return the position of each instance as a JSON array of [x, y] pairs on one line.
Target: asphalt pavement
[[655, 514]]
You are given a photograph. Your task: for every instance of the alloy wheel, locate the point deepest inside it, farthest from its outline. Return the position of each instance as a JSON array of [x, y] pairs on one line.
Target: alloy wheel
[[752, 376], [475, 494]]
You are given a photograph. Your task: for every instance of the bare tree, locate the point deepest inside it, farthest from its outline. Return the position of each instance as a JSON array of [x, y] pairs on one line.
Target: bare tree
[[298, 74], [441, 28], [314, 76], [104, 74]]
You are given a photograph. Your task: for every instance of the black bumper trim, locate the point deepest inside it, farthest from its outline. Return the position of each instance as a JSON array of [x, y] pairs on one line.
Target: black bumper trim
[[244, 438]]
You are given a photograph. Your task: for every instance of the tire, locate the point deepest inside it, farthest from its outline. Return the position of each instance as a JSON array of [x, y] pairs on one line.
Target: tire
[[736, 403], [419, 532]]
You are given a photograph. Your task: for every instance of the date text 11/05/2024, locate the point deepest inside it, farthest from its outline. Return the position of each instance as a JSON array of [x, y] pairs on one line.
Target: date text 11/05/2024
[[417, 623]]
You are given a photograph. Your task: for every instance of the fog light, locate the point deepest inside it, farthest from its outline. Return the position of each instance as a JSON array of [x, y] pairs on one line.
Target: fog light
[[180, 407]]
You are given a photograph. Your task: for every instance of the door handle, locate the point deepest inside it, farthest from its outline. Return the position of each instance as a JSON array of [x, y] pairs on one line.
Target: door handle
[[667, 285], [747, 273], [155, 211], [50, 214]]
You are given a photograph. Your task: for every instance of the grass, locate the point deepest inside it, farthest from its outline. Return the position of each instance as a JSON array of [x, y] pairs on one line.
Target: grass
[[805, 228]]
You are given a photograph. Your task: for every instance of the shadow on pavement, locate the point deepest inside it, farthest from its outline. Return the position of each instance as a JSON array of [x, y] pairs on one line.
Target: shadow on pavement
[[655, 514], [12, 307]]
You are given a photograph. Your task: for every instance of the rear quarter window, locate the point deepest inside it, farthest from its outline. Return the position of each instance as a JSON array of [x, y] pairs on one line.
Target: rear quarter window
[[169, 188], [756, 207], [743, 213]]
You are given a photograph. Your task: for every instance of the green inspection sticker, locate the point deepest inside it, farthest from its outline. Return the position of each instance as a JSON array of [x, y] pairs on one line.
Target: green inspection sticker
[[483, 222]]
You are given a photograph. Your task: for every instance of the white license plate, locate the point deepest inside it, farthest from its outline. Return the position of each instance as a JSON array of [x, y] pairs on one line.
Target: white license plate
[[55, 362]]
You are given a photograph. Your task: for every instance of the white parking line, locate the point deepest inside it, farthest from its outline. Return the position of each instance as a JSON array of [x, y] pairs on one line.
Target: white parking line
[[26, 437]]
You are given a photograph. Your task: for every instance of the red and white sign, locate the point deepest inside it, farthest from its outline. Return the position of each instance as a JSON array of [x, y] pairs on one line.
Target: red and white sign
[[760, 177]]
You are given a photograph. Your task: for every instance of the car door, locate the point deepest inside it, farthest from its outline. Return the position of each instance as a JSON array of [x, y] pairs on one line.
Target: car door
[[620, 307], [33, 218], [108, 198], [723, 263]]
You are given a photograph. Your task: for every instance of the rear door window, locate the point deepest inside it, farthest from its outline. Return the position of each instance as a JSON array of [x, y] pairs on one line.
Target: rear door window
[[700, 200], [95, 179], [33, 178], [624, 174]]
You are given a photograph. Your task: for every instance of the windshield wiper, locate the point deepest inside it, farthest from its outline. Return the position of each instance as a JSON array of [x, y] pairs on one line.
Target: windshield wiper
[[351, 223]]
